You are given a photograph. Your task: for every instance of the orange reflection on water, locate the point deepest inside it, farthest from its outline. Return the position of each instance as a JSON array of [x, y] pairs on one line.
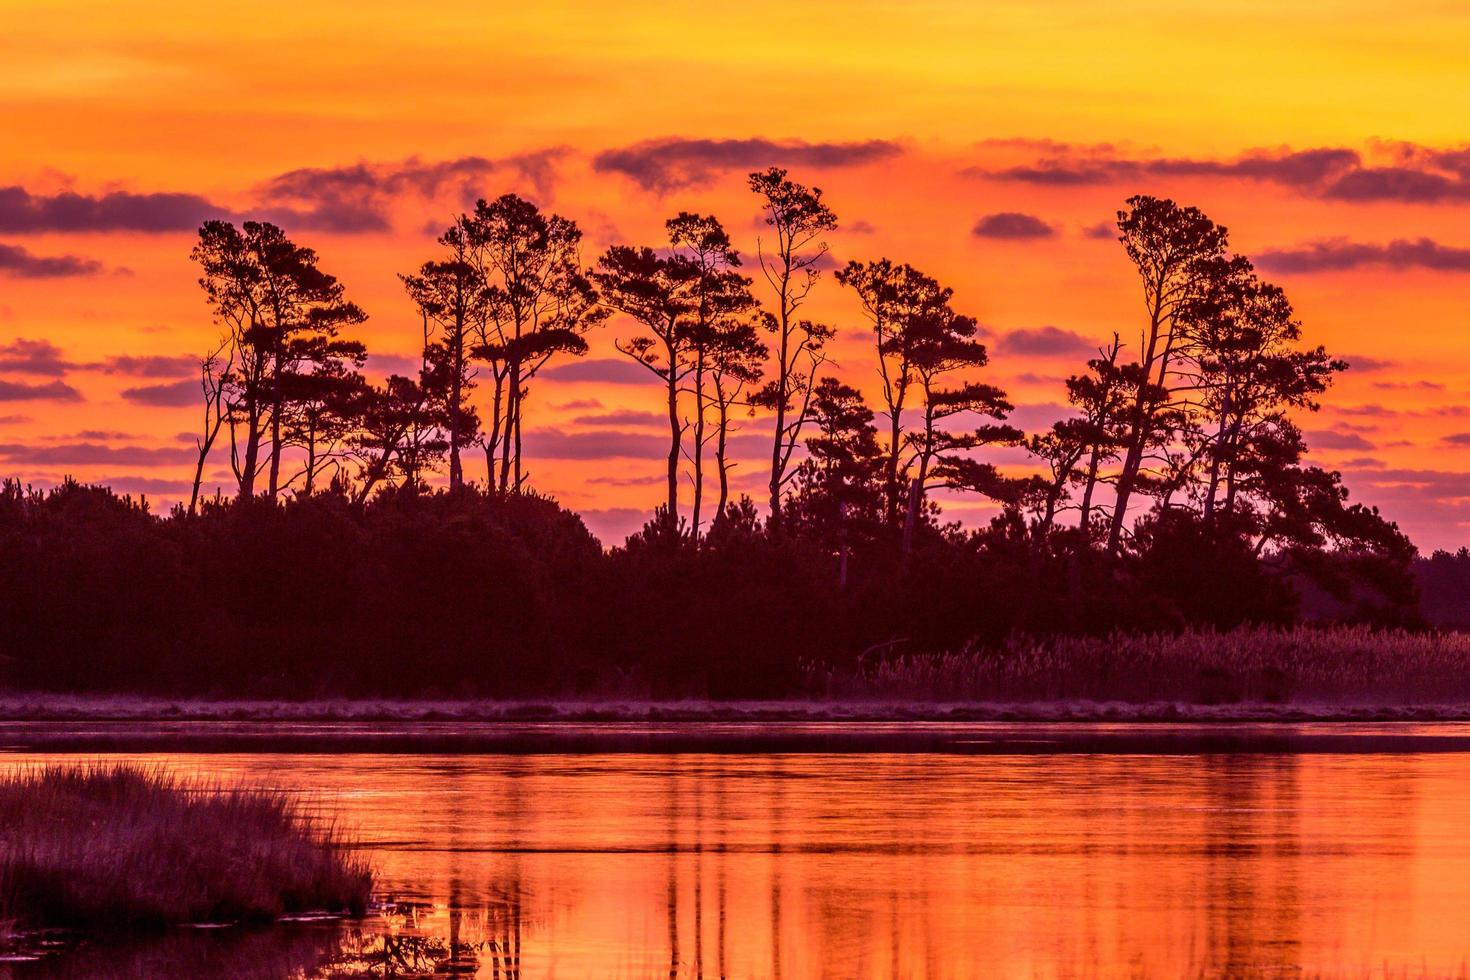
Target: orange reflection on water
[[911, 865]]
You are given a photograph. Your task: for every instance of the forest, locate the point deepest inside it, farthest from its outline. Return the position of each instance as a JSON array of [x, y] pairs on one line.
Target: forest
[[387, 538]]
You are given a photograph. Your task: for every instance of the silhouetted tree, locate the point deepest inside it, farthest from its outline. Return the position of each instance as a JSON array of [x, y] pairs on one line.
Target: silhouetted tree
[[653, 290], [938, 344], [1172, 248], [451, 292], [215, 371], [539, 304], [323, 413], [838, 485], [284, 315], [799, 219], [735, 359], [718, 303]]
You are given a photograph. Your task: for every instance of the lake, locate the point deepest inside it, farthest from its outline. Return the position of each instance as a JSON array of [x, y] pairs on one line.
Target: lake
[[807, 864]]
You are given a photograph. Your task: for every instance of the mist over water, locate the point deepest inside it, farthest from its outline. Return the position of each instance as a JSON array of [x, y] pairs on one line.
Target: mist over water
[[901, 865]]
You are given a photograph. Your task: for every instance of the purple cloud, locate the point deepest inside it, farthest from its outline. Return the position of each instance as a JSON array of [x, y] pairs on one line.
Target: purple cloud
[[1012, 225], [90, 453], [606, 370], [357, 198], [23, 264], [171, 394], [622, 417], [1399, 171], [35, 357], [1339, 254], [555, 444], [1365, 364], [663, 165], [1328, 439], [148, 366], [1047, 341], [54, 391], [22, 211]]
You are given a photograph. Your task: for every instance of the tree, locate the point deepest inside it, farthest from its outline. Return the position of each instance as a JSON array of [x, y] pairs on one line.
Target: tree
[[652, 290], [213, 382], [399, 434], [1172, 248], [451, 292], [940, 344], [1239, 337], [799, 219], [919, 339], [1100, 396], [735, 359], [323, 414], [539, 303], [284, 315], [718, 302], [837, 485]]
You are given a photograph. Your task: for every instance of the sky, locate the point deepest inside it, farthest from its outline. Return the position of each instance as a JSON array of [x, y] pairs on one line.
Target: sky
[[988, 144]]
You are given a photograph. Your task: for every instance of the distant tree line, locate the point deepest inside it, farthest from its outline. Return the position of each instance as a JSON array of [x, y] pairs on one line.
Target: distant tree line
[[1175, 492]]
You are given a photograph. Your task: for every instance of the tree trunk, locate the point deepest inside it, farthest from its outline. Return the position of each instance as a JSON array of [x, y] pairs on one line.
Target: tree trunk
[[698, 440], [672, 517]]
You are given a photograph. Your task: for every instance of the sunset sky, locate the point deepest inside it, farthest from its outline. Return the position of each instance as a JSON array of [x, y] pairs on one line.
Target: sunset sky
[[986, 143]]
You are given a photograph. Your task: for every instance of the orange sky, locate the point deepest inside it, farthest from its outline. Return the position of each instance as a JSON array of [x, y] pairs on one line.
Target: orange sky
[[918, 120]]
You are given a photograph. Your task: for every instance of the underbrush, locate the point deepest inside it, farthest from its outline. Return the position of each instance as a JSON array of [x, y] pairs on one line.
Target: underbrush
[[1254, 664]]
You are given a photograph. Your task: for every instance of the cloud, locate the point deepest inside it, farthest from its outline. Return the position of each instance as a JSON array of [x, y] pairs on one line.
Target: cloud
[[22, 211], [23, 264], [357, 197], [555, 444], [20, 391], [663, 165], [606, 370], [1068, 168], [1012, 224], [1458, 439], [622, 417], [1409, 385], [1365, 364], [1385, 171], [148, 366], [396, 364], [171, 394], [35, 357], [1329, 439], [1102, 230], [14, 419], [1046, 342], [91, 453], [1339, 254]]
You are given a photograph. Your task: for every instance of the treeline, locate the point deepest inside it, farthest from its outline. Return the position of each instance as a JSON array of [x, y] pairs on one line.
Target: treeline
[[1174, 492], [470, 593]]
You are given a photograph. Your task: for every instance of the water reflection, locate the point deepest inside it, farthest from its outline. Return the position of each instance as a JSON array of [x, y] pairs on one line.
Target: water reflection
[[893, 865]]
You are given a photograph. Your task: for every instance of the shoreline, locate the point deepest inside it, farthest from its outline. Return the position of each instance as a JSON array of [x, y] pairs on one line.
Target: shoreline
[[130, 708], [93, 726]]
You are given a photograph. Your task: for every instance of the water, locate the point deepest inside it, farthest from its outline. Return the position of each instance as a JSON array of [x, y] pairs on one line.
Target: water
[[856, 865]]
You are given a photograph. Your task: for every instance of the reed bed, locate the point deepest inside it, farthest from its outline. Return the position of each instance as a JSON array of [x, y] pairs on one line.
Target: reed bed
[[118, 847], [1342, 665]]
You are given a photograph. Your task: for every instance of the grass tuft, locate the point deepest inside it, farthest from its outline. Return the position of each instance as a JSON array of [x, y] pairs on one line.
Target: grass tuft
[[118, 847]]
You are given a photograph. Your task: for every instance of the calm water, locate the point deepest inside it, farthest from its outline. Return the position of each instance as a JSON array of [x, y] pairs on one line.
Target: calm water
[[870, 865]]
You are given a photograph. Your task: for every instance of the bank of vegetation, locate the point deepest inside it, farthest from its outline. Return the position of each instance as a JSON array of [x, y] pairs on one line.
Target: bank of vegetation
[[102, 848]]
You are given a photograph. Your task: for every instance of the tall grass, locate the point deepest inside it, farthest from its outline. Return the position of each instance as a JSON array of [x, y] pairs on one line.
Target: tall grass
[[116, 847], [1347, 665]]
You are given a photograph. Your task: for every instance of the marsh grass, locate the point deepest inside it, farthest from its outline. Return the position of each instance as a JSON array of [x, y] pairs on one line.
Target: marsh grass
[[118, 847], [1345, 665]]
